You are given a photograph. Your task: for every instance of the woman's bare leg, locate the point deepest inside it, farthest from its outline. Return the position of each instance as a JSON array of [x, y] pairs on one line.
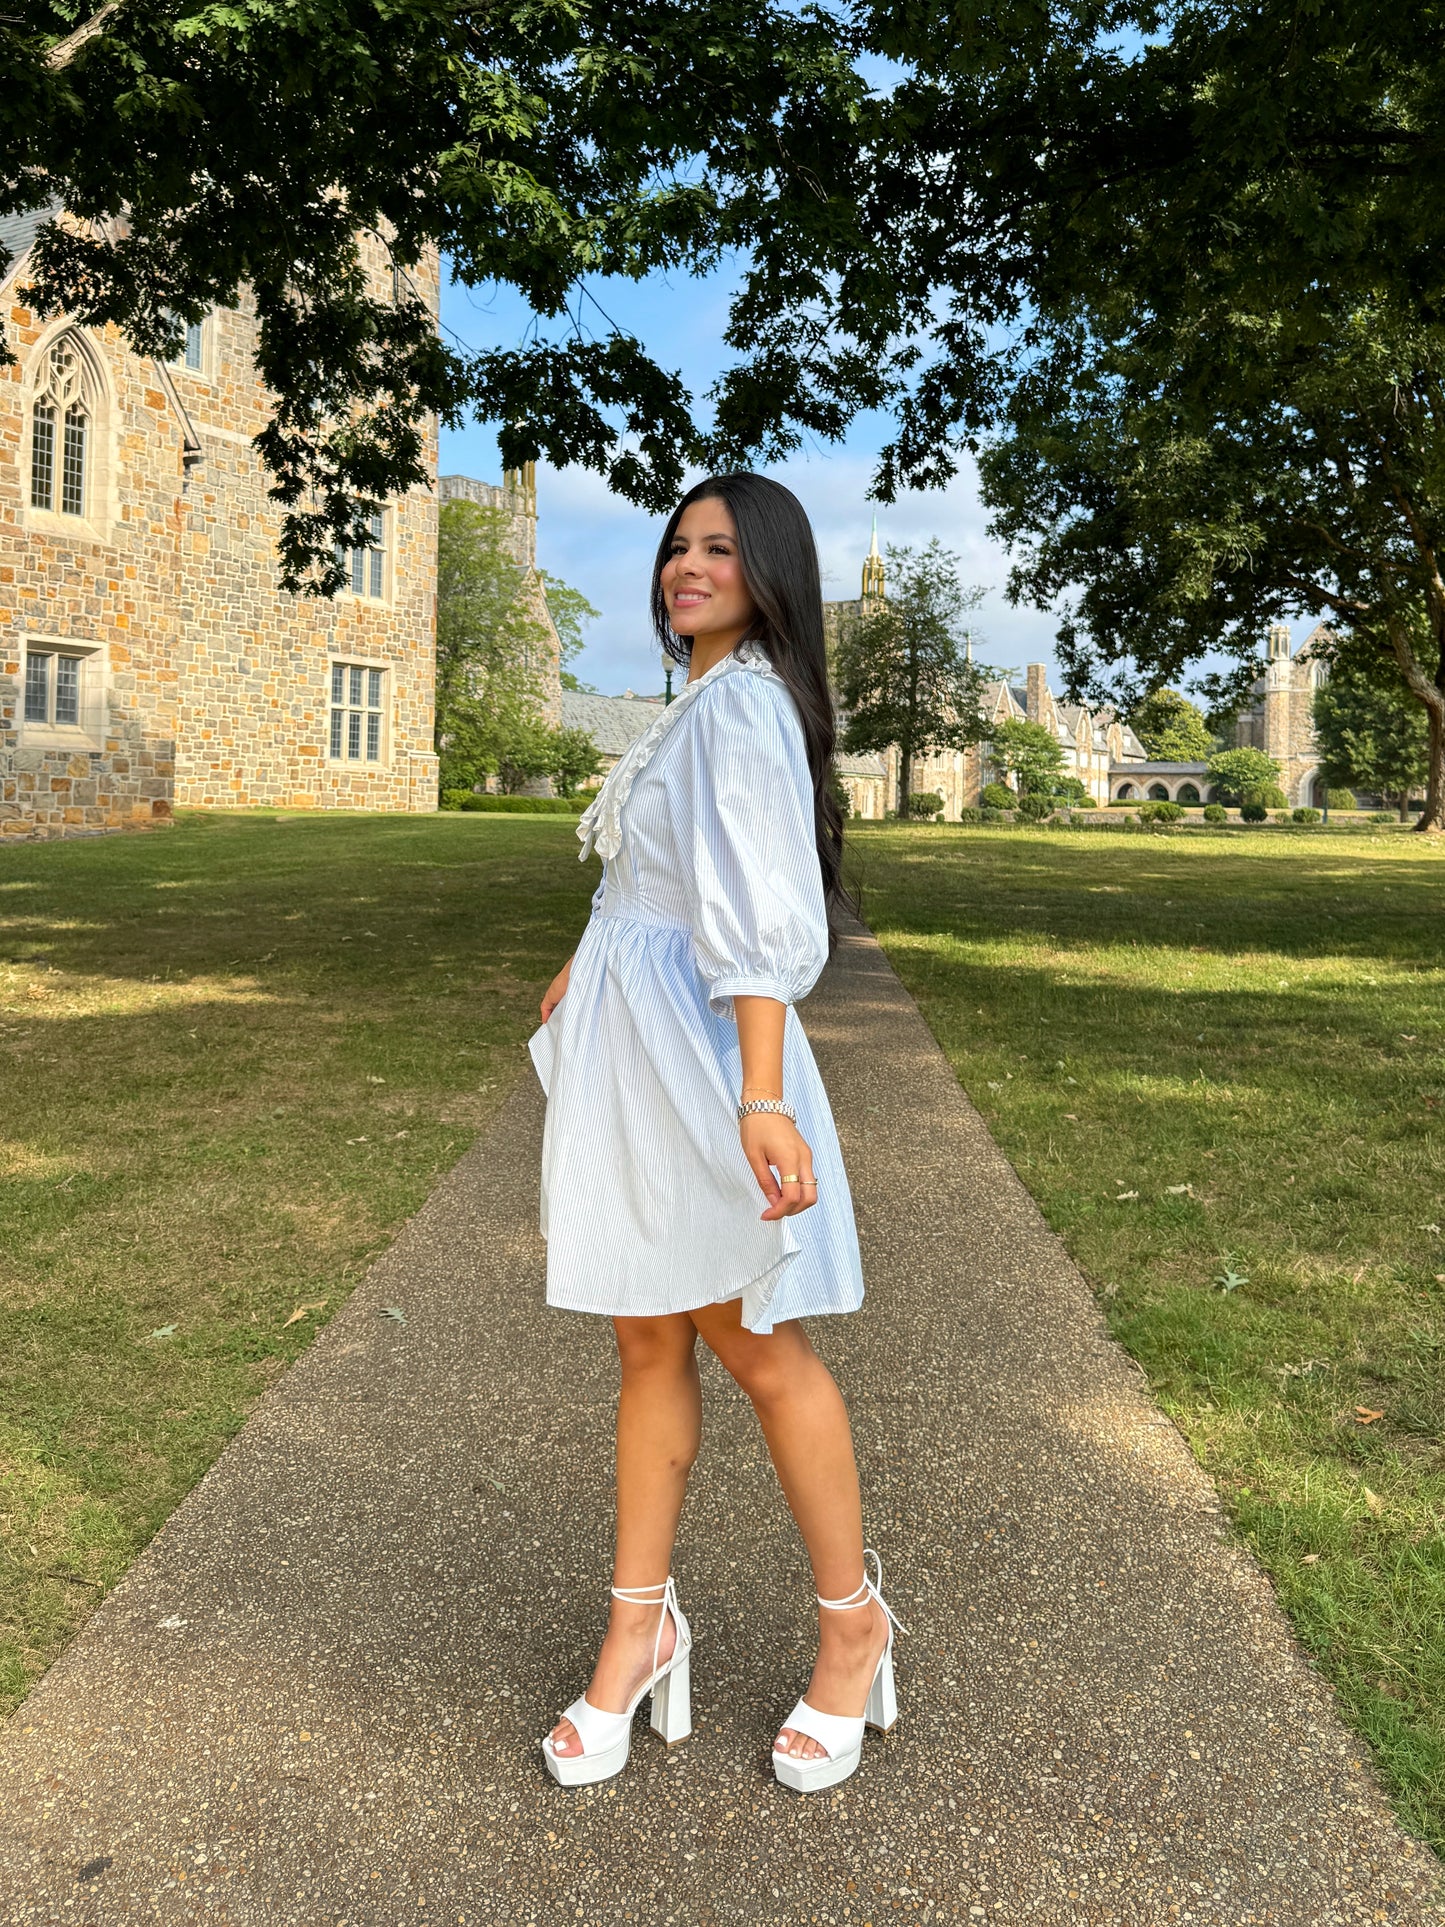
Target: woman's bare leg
[[805, 1423], [659, 1424]]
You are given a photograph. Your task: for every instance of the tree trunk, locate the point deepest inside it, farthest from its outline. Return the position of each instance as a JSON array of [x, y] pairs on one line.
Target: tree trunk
[[1432, 817], [905, 776], [1432, 695]]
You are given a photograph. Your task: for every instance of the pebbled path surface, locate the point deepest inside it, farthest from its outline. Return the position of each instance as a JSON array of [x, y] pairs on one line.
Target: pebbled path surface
[[316, 1700]]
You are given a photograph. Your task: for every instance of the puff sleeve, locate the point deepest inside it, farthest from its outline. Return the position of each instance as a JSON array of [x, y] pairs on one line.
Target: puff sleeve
[[748, 842]]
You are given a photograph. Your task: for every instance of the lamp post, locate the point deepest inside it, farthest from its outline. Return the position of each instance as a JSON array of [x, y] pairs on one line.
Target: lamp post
[[667, 668]]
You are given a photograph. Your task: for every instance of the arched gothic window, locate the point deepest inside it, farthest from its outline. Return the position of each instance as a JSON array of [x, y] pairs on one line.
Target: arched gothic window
[[61, 429]]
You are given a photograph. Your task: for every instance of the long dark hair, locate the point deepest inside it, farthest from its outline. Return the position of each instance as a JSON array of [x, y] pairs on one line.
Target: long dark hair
[[779, 561]]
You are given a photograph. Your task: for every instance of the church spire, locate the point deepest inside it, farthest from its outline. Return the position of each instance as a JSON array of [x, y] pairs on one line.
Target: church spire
[[873, 591]]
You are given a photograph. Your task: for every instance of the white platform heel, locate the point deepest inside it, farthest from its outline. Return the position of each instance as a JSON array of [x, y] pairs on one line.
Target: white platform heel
[[843, 1737], [607, 1737]]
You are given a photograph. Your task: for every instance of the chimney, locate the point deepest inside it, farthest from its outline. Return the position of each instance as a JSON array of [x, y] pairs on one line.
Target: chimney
[[1036, 688]]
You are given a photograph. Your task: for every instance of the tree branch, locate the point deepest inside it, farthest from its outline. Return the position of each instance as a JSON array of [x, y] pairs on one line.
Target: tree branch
[[64, 51]]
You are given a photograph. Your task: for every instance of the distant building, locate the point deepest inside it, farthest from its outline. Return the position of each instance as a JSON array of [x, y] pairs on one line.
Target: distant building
[[1093, 742], [611, 721], [147, 656], [1280, 716], [1279, 719]]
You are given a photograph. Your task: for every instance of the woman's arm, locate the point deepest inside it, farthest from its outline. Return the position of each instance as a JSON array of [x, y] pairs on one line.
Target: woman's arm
[[768, 1138], [557, 989]]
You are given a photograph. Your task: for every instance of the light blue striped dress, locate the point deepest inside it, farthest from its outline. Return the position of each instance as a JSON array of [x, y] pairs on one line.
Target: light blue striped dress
[[710, 889]]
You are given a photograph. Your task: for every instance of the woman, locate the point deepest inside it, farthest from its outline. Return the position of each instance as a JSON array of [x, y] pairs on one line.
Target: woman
[[679, 1085]]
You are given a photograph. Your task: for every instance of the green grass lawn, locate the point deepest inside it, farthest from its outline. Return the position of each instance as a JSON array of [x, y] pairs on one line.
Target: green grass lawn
[[1220, 1068], [234, 1056]]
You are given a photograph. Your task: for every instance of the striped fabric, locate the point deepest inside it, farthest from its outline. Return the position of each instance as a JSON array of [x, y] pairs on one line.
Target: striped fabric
[[648, 1203]]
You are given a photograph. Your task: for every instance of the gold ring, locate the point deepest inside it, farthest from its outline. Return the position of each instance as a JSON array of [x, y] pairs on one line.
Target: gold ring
[[788, 1177]]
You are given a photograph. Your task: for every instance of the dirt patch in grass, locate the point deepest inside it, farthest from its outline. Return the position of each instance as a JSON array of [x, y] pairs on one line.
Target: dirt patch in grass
[[1220, 1069], [233, 1060]]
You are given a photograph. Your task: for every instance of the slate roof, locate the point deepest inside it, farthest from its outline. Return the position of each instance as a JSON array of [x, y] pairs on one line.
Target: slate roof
[[611, 721], [17, 232], [859, 762], [1151, 766]]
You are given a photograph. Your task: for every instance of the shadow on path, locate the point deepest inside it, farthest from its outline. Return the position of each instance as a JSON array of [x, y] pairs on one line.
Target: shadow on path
[[317, 1698]]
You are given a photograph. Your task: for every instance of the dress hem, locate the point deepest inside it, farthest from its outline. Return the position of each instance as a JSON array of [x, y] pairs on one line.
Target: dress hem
[[808, 1311]]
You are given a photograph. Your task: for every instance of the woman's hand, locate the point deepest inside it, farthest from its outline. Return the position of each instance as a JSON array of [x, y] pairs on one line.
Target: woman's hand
[[772, 1140], [557, 989]]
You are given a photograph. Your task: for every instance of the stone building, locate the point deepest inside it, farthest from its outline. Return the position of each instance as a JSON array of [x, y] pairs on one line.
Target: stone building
[[611, 721], [1092, 741], [1278, 719], [147, 656], [1280, 716]]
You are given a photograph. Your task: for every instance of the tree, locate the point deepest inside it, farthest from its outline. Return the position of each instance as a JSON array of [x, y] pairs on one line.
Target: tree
[[303, 160], [1308, 477], [1031, 754], [1171, 729], [575, 758], [1214, 234], [570, 612], [1243, 774], [492, 649], [1371, 735], [903, 676]]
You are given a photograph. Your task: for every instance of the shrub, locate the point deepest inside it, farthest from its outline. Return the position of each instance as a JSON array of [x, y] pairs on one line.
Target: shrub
[[1253, 813], [1033, 809], [1281, 816], [971, 818], [1382, 816], [1215, 813], [1343, 800], [925, 804], [453, 799], [1305, 815], [1270, 794], [524, 805], [1161, 812], [994, 817], [997, 796], [1070, 794]]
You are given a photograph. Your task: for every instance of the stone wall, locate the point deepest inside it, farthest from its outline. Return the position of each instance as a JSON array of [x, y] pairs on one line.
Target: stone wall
[[204, 683]]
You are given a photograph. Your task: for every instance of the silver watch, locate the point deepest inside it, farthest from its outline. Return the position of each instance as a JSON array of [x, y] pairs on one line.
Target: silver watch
[[756, 1104]]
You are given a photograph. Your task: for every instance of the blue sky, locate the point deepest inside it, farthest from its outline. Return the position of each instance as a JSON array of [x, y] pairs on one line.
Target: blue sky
[[604, 546]]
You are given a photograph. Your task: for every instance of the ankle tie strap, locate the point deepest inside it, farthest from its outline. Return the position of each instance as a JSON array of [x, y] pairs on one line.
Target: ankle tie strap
[[860, 1595], [666, 1598]]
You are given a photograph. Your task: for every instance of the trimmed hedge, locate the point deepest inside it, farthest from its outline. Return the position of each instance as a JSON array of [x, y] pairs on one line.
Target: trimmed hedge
[[997, 796], [1253, 813], [474, 803], [1215, 813]]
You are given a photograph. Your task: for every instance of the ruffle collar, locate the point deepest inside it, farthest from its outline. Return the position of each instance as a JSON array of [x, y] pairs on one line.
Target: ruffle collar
[[600, 825]]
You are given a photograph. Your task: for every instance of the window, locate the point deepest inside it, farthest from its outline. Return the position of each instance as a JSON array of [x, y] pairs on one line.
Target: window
[[60, 430], [358, 713], [193, 345], [366, 568], [62, 687]]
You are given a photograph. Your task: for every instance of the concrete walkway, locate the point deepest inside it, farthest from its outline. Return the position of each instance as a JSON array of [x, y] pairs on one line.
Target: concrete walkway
[[317, 1698]]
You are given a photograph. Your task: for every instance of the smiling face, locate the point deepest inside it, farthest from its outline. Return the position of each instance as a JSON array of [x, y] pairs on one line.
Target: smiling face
[[703, 586]]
